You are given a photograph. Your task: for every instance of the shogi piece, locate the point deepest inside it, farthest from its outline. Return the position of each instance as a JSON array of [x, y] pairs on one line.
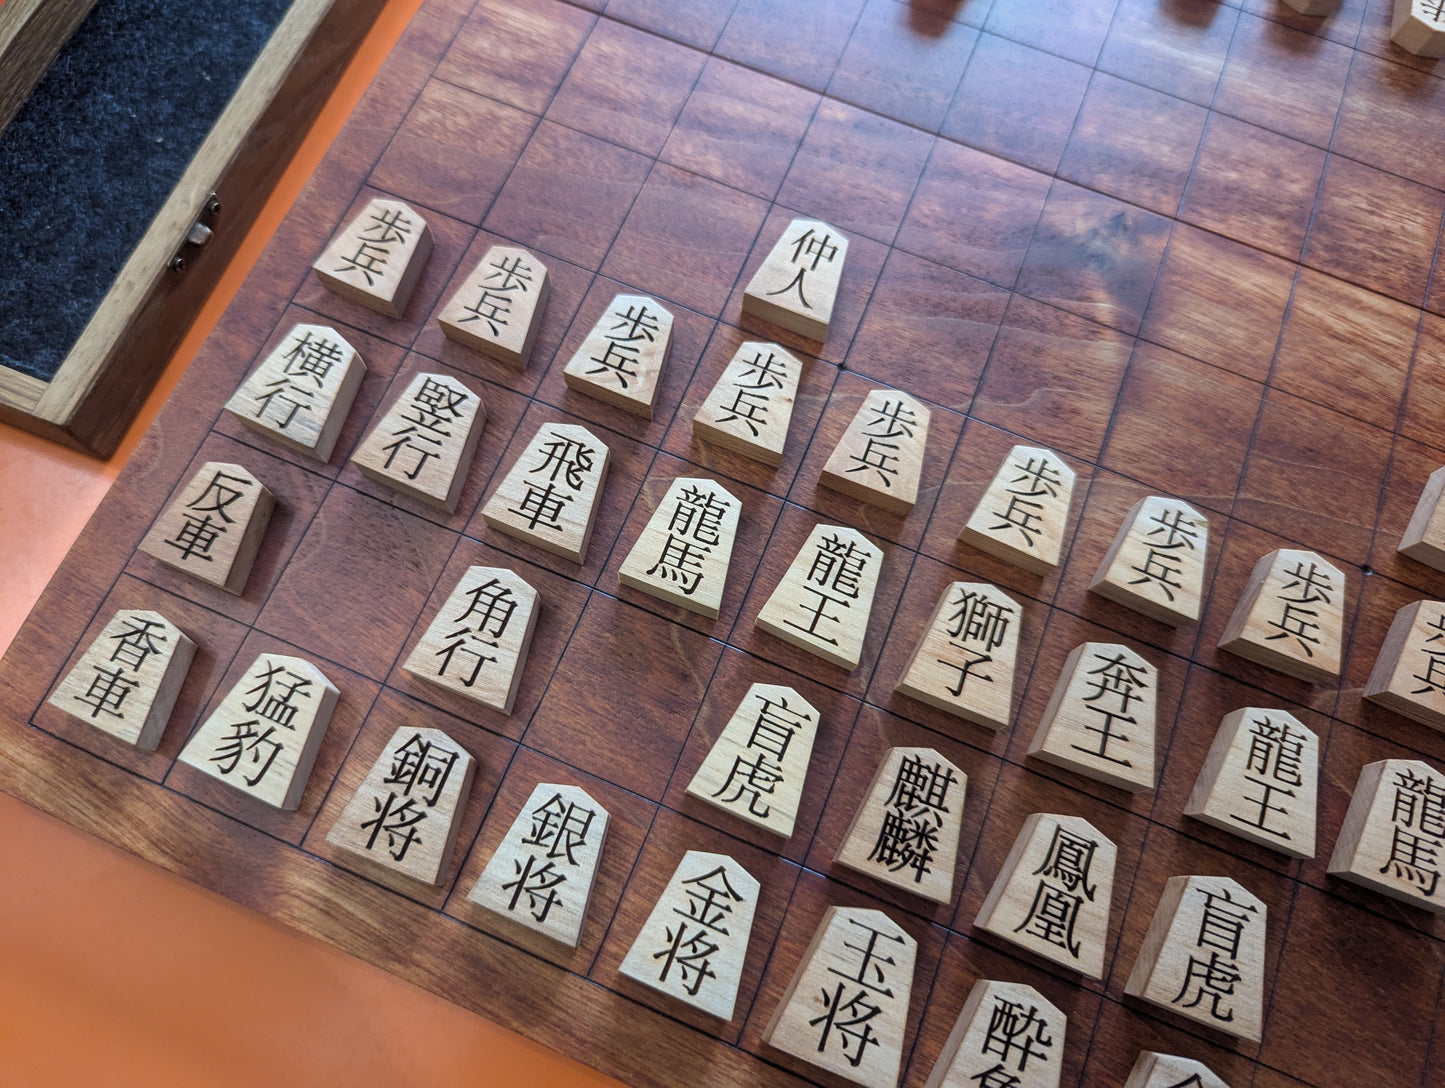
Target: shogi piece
[[301, 393], [759, 762], [905, 832], [750, 408], [1022, 516], [622, 358], [477, 644], [377, 260], [406, 815], [1100, 720], [1153, 1070], [1007, 1034], [214, 528], [798, 282], [126, 682], [541, 876], [1418, 26], [549, 495], [1314, 7], [1156, 563], [1424, 539], [822, 603], [1291, 616], [693, 944], [423, 445], [1409, 672], [879, 459], [1393, 837], [964, 661], [862, 961], [1052, 896], [264, 736], [683, 553], [499, 308], [1203, 955], [1260, 781]]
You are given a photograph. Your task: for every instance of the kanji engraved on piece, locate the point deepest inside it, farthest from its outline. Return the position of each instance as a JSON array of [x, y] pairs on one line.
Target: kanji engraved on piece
[[477, 643], [964, 661], [750, 408], [1156, 562], [622, 359], [406, 814], [905, 832], [694, 942], [846, 1008], [301, 393], [541, 876], [1203, 955], [879, 459], [213, 530], [1100, 720], [126, 682], [1291, 616], [1260, 781], [423, 443], [498, 309], [825, 596], [1393, 837], [1052, 895], [1424, 538], [378, 258], [1418, 26], [1022, 516], [1409, 672], [1154, 1070], [1007, 1036], [549, 495], [263, 737], [683, 553], [798, 282]]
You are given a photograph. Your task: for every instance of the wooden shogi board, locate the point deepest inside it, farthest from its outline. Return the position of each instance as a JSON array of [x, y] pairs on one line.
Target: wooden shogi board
[[1188, 246]]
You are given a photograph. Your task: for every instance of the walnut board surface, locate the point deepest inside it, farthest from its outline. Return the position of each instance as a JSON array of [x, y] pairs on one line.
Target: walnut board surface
[[1167, 267]]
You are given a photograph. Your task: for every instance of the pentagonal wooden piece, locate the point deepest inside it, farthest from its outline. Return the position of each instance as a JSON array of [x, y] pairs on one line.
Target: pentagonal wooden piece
[[477, 643], [1291, 616], [823, 600], [1022, 516], [750, 408], [1007, 1034], [1154, 1070], [1156, 562], [683, 553], [1424, 539], [213, 529], [964, 661], [301, 393], [549, 495], [1418, 26], [1409, 672], [621, 360], [879, 459], [798, 282], [498, 309], [378, 257], [1393, 837], [1314, 7], [126, 682], [1203, 955], [423, 443]]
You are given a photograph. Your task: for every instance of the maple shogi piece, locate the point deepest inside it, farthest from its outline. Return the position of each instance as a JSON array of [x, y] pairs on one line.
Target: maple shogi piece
[[1100, 720], [693, 944], [377, 260], [1314, 7], [798, 282], [423, 445], [622, 358], [846, 1008], [822, 603], [1409, 672], [1154, 1070], [1260, 781], [477, 644], [1424, 538], [1052, 896], [1022, 516], [301, 393], [964, 661], [498, 310], [549, 495], [406, 815], [1394, 833], [1291, 616], [1007, 1036], [126, 682], [750, 408], [879, 459], [214, 528], [263, 737], [905, 832], [1418, 26], [683, 553], [1202, 957], [541, 876], [1156, 563]]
